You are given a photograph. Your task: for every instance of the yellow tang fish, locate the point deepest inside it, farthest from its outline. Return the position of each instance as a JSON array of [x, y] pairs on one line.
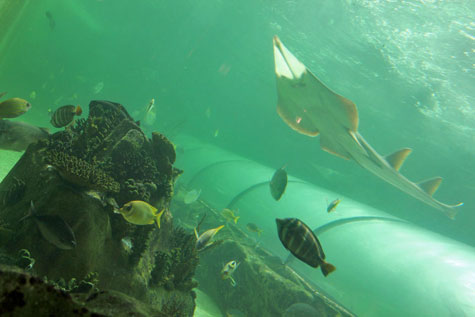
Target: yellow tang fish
[[229, 215], [13, 107], [141, 213]]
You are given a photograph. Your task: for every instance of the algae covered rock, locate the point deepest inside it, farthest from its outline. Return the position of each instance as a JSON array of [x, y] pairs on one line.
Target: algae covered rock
[[82, 174]]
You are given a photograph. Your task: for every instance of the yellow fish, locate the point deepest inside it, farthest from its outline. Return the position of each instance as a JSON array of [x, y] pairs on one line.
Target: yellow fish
[[254, 228], [333, 205], [228, 214], [13, 107], [141, 213], [203, 241]]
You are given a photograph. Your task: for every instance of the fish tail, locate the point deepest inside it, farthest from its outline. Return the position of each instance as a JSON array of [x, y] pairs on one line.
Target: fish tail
[[259, 232], [78, 110], [158, 217], [327, 268], [236, 219], [233, 282]]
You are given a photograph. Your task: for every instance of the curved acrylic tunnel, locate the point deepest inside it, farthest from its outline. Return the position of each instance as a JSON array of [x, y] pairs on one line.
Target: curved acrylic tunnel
[[385, 266]]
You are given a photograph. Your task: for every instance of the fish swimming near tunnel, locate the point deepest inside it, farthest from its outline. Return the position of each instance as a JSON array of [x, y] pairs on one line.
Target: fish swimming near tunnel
[[141, 213], [228, 270], [51, 21], [13, 107], [64, 115], [17, 135], [299, 239], [310, 108], [331, 206], [204, 240], [53, 228], [278, 183]]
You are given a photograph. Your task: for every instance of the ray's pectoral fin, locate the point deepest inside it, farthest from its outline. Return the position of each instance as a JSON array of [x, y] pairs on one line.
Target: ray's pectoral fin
[[332, 147], [294, 119]]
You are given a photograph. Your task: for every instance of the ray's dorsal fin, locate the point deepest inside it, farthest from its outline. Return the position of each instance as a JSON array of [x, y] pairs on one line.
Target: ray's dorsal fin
[[430, 185], [397, 158]]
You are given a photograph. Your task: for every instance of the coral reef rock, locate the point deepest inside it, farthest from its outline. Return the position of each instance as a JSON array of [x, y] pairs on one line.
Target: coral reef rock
[[82, 174]]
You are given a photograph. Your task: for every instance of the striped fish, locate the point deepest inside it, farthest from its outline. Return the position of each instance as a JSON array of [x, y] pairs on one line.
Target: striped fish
[[65, 115], [297, 237]]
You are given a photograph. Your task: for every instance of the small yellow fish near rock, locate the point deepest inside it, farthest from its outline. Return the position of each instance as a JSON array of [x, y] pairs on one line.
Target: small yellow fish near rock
[[254, 228], [13, 107], [229, 215], [141, 213]]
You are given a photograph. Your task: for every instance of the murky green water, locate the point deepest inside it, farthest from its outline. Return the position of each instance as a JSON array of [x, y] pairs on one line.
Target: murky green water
[[408, 66]]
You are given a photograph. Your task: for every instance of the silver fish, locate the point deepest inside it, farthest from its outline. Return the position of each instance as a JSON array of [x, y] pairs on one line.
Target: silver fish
[[203, 241], [191, 196], [17, 135], [53, 229], [278, 183]]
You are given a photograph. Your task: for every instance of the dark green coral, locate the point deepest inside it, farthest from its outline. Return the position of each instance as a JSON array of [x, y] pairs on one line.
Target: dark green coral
[[176, 267], [80, 173]]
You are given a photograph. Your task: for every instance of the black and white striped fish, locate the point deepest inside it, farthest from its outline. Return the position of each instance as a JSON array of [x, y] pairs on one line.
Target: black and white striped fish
[[65, 115], [297, 237]]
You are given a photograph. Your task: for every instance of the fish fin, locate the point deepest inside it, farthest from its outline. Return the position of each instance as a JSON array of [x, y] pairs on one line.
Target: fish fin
[[158, 217], [196, 234], [233, 282], [430, 185], [296, 122], [327, 268], [236, 219], [397, 158], [31, 212], [78, 110], [334, 148]]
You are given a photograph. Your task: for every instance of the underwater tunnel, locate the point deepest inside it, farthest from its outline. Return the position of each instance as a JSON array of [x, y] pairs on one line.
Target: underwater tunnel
[[385, 265]]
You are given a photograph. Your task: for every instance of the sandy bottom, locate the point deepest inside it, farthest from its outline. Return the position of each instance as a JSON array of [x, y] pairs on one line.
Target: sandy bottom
[[205, 307], [8, 159]]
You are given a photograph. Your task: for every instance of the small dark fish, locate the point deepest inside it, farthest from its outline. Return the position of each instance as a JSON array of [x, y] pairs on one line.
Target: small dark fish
[[65, 115], [17, 135], [333, 205], [52, 23], [299, 310], [278, 183], [2, 94], [53, 229], [297, 237]]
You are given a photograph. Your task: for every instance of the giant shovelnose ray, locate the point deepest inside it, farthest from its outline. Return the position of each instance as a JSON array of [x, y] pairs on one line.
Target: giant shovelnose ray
[[311, 108]]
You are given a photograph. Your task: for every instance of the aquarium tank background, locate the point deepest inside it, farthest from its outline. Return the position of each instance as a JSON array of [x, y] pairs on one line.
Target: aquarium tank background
[[209, 68]]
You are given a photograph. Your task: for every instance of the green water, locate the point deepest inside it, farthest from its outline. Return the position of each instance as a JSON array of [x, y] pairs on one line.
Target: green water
[[408, 66]]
